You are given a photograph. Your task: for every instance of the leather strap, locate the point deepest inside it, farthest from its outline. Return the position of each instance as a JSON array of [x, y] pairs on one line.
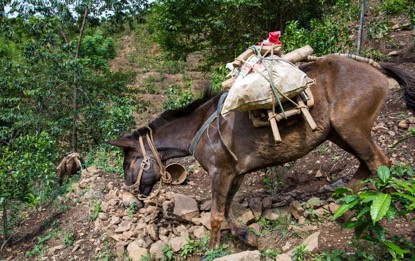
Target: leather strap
[[205, 125]]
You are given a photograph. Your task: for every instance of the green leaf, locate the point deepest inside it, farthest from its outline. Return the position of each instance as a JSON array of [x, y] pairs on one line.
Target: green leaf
[[404, 196], [384, 173], [390, 215], [362, 212], [395, 248], [354, 224], [342, 190], [403, 184], [378, 231], [343, 208], [380, 206], [360, 229]]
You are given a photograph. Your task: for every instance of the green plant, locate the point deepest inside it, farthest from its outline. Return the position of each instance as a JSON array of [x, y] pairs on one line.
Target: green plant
[[217, 252], [195, 247], [410, 135], [68, 239], [218, 76], [167, 253], [322, 149], [178, 97], [271, 253], [132, 209], [300, 253], [272, 180], [392, 7], [146, 257], [378, 29], [97, 208], [39, 247], [334, 255], [281, 225], [391, 196]]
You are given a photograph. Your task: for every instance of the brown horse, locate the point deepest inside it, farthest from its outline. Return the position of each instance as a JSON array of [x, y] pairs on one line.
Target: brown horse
[[348, 97]]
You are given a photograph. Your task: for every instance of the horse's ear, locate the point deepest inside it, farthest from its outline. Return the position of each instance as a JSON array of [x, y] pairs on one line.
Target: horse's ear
[[123, 143]]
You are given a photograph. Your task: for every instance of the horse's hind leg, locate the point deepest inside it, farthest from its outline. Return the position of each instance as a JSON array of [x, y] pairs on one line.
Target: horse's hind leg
[[238, 230], [358, 141]]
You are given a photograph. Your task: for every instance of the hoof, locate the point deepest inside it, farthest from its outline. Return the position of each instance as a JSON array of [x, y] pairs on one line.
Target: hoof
[[248, 237]]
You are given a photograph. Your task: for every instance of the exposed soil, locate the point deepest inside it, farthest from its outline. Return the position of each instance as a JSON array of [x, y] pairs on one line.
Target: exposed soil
[[298, 179]]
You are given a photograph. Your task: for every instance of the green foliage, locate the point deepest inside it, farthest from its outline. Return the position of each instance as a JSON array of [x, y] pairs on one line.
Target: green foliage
[[195, 247], [334, 255], [218, 76], [378, 29], [392, 7], [281, 226], [39, 247], [394, 195], [97, 209], [68, 239], [271, 253], [300, 253], [272, 180], [223, 29], [132, 209], [97, 49], [178, 97], [168, 254], [216, 252]]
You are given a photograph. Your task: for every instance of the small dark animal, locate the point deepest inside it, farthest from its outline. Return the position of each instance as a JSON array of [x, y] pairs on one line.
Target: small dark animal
[[69, 165], [348, 97]]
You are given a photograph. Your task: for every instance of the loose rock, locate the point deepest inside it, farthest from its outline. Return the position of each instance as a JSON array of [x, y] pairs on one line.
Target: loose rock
[[242, 214], [242, 256], [156, 249], [256, 207], [135, 252], [177, 243], [128, 199], [296, 209], [200, 232], [185, 207]]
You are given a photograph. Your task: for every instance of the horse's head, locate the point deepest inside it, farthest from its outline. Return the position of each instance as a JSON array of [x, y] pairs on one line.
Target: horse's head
[[141, 170]]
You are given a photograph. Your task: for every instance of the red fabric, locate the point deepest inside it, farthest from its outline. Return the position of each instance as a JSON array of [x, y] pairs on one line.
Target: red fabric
[[274, 37]]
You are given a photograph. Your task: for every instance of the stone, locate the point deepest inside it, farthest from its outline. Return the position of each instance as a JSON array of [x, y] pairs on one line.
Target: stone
[[103, 216], [301, 220], [318, 174], [304, 229], [93, 194], [185, 207], [200, 232], [152, 232], [333, 207], [120, 252], [182, 231], [320, 212], [135, 252], [176, 243], [242, 256], [141, 242], [411, 120], [286, 246], [255, 205], [311, 242], [267, 203], [403, 124], [156, 249], [52, 250], [205, 220], [314, 202], [124, 226], [256, 227], [93, 169], [242, 214], [283, 257], [128, 199], [114, 220], [393, 53], [271, 214], [205, 206], [296, 209]]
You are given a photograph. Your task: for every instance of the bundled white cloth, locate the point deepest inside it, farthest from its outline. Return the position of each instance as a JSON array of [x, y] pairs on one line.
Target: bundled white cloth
[[252, 88]]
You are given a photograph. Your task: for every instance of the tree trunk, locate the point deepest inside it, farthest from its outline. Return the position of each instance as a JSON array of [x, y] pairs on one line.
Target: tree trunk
[[5, 232], [75, 89]]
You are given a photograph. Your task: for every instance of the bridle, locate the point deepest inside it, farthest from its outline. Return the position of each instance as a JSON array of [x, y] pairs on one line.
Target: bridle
[[165, 177]]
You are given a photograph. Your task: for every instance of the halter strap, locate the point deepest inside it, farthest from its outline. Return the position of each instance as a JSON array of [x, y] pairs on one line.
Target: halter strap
[[165, 177]]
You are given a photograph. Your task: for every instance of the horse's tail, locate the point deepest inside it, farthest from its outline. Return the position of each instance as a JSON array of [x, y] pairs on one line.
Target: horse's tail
[[405, 80]]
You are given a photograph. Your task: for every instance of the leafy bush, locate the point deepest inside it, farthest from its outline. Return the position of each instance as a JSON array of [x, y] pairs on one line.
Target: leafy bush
[[394, 194], [178, 97]]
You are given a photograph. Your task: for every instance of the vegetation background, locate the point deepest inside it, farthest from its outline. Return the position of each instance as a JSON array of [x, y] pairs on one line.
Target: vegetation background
[[59, 92]]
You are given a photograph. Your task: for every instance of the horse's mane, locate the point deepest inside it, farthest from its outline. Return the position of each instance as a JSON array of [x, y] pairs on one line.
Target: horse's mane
[[170, 115]]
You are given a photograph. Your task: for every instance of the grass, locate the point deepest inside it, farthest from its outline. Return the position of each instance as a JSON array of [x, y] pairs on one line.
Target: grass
[[95, 213], [280, 226], [40, 247]]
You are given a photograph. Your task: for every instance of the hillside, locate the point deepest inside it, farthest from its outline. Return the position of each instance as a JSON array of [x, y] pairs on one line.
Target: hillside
[[286, 205]]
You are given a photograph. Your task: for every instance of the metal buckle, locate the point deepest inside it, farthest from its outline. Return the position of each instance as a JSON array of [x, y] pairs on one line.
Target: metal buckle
[[145, 164]]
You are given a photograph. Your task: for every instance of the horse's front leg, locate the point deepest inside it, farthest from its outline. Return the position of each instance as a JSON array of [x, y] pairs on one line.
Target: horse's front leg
[[220, 183]]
